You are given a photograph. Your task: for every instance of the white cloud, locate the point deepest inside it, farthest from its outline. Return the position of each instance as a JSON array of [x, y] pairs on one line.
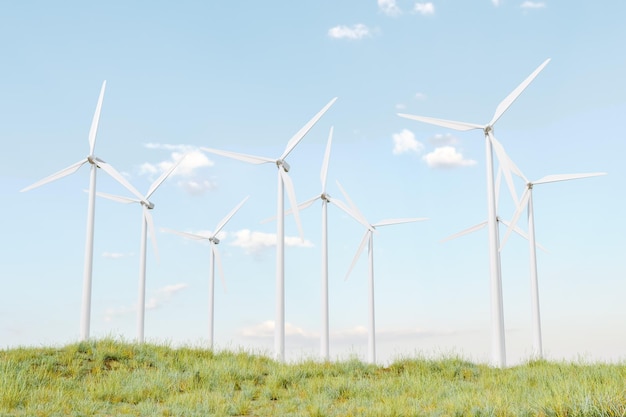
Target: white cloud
[[190, 179], [400, 106], [358, 31], [420, 96], [194, 159], [443, 139], [425, 9], [405, 142], [496, 2], [257, 242], [196, 186], [161, 297], [389, 7], [115, 255], [358, 334], [533, 5], [447, 157], [265, 330]]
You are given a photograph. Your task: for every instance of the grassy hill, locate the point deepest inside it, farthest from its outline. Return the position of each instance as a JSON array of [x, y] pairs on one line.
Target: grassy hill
[[113, 378]]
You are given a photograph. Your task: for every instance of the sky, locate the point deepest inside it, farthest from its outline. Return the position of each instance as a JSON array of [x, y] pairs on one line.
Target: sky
[[245, 77]]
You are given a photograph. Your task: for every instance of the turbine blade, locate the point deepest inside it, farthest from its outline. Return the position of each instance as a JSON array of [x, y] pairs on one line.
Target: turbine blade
[[118, 177], [306, 204], [225, 220], [251, 159], [324, 173], [185, 234], [293, 142], [358, 252], [350, 213], [504, 165], [291, 194], [450, 124], [218, 261], [506, 103], [506, 160], [163, 176], [518, 212], [354, 210], [148, 216], [301, 207], [60, 174], [566, 177], [118, 198], [390, 222], [465, 232], [96, 120], [520, 232]]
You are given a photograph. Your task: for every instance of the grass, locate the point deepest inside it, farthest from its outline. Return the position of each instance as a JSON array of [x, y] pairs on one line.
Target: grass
[[114, 378]]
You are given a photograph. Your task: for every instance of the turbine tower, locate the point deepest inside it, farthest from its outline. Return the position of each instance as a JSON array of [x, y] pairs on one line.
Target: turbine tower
[[491, 144]]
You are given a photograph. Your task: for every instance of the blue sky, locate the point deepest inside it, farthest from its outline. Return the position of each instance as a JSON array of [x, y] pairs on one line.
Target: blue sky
[[245, 76]]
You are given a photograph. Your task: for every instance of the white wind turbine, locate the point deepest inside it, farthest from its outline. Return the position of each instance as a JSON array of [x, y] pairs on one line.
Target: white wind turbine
[[325, 198], [284, 181], [527, 202], [507, 224], [95, 162], [215, 259], [498, 342], [368, 238], [147, 224]]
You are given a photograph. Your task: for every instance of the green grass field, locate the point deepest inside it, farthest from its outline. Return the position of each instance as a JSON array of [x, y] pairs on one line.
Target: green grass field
[[113, 378]]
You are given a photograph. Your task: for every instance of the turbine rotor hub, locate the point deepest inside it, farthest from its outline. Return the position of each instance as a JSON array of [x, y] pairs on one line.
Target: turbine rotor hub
[[92, 160], [325, 197], [214, 240], [148, 204]]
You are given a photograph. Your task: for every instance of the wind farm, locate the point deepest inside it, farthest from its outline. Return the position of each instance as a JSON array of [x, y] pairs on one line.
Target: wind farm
[[506, 168], [245, 80]]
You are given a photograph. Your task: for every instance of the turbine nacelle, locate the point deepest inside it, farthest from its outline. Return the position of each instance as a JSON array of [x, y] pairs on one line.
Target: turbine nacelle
[[284, 164], [325, 197], [214, 240], [147, 204]]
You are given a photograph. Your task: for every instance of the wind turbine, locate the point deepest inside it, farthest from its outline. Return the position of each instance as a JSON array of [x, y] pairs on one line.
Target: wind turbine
[[284, 181], [368, 238], [325, 198], [95, 162], [498, 342], [527, 202], [146, 225], [481, 225], [215, 258]]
